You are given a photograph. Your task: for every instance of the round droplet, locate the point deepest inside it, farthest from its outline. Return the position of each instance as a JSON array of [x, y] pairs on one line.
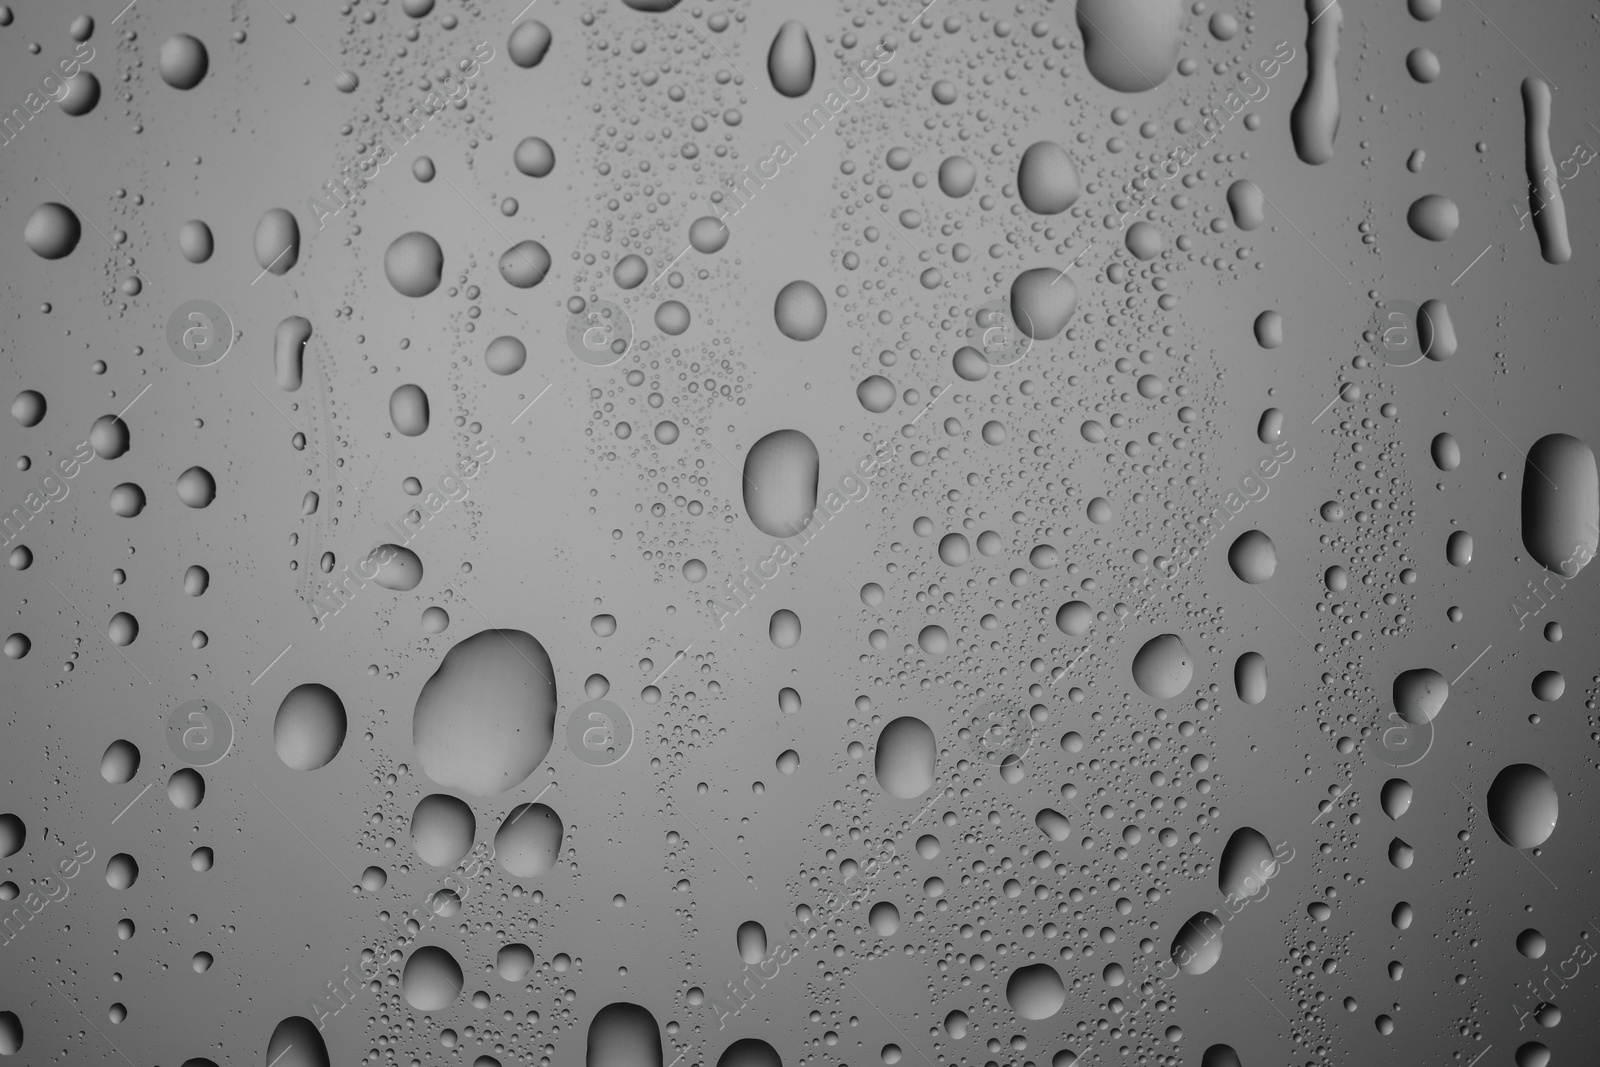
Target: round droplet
[[196, 487], [109, 437], [708, 234], [534, 157], [374, 879], [876, 393], [1144, 240], [1458, 548], [800, 311], [1549, 685], [1523, 805], [183, 61], [1423, 65], [955, 1024], [310, 727], [630, 271], [934, 640], [1042, 302], [1419, 695], [1162, 668], [414, 264], [525, 264], [52, 230], [1532, 944], [1253, 557], [1099, 511], [528, 43], [1433, 216], [442, 829], [1074, 618], [120, 762], [195, 241], [957, 176], [186, 789], [1035, 991], [1047, 179], [505, 355], [29, 407], [122, 870], [528, 843], [672, 317], [431, 979], [884, 918]]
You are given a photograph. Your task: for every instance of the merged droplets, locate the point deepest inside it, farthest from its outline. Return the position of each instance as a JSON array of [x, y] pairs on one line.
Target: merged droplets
[[1419, 695], [1250, 677], [486, 717], [398, 568]]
